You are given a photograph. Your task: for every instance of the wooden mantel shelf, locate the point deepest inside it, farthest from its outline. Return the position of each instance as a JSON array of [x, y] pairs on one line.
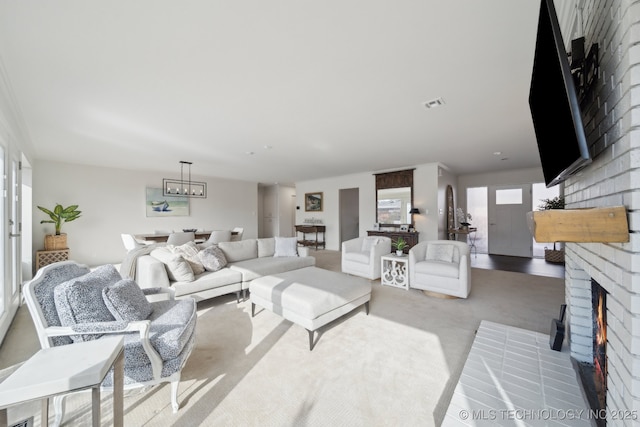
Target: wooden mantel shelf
[[589, 225]]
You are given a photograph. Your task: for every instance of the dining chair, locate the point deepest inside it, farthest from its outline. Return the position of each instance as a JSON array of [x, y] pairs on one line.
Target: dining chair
[[130, 242], [236, 234], [218, 236], [180, 238]]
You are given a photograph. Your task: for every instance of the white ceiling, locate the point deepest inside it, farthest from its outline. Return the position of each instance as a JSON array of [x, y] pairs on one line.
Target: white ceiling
[[331, 87]]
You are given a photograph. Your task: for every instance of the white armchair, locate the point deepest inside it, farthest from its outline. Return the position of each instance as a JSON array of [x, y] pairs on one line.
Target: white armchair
[[361, 256], [441, 266]]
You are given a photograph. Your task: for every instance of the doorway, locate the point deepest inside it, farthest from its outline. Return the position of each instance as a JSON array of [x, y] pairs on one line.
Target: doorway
[[10, 228], [507, 215], [349, 200]]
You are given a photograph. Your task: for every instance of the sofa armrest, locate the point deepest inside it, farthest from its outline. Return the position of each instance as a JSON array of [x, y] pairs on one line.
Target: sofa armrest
[[353, 245], [151, 273]]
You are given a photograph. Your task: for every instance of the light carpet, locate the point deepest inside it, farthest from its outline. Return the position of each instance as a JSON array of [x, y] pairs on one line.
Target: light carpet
[[397, 366]]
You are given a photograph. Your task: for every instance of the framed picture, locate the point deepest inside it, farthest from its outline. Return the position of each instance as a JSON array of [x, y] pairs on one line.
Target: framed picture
[[158, 205], [313, 202]]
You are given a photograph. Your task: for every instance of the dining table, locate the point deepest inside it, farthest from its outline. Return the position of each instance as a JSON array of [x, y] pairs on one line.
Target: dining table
[[162, 237]]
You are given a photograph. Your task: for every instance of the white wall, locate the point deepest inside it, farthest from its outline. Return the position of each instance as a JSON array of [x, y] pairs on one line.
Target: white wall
[[112, 202], [425, 197]]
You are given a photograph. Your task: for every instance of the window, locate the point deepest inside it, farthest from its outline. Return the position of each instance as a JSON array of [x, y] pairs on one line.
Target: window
[[511, 196]]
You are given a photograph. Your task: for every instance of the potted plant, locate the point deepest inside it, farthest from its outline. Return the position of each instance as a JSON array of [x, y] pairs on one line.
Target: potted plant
[[399, 244], [553, 255], [463, 218], [58, 216]]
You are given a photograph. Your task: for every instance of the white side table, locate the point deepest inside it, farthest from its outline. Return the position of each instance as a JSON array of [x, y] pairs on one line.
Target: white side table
[[395, 271], [59, 370]]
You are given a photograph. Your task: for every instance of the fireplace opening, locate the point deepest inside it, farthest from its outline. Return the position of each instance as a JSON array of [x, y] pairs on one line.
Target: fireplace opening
[[594, 375]]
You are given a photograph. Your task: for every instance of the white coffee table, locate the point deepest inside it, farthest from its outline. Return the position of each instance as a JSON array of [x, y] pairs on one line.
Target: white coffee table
[[395, 271], [67, 368]]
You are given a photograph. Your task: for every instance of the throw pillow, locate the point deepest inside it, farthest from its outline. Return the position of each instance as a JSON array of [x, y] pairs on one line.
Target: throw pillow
[[368, 243], [286, 246], [189, 252], [79, 300], [212, 258], [177, 267], [440, 253], [266, 247], [126, 301]]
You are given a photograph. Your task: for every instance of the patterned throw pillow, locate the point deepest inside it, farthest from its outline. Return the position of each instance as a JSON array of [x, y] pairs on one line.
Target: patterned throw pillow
[[212, 258], [189, 252], [126, 301], [79, 300], [440, 253], [286, 246]]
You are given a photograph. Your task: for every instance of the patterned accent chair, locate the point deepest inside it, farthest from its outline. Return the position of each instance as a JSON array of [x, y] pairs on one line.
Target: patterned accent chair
[[70, 303], [441, 266], [361, 256]]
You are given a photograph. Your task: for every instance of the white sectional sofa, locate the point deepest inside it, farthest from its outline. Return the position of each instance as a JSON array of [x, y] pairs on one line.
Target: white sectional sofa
[[246, 260]]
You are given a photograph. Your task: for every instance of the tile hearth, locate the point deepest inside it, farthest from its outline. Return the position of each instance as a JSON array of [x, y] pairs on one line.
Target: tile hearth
[[512, 376]]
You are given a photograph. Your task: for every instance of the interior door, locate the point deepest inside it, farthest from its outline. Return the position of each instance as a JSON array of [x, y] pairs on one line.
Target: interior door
[[10, 267], [349, 213], [508, 231], [15, 225]]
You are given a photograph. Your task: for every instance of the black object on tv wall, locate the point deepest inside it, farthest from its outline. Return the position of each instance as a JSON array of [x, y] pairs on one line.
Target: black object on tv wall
[[554, 104]]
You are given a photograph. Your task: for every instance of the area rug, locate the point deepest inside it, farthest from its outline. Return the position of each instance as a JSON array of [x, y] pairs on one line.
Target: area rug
[[395, 367]]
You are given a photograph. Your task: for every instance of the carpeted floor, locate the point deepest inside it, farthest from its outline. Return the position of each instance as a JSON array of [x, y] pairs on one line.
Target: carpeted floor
[[395, 367]]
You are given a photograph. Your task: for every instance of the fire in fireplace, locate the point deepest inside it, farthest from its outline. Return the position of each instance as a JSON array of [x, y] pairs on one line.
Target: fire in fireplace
[[594, 375], [599, 304]]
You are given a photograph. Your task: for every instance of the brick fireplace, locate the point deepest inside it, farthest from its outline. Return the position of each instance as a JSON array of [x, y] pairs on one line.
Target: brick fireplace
[[612, 123]]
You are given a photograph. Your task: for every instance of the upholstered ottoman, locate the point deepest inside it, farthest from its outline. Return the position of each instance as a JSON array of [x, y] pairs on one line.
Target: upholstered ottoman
[[310, 297]]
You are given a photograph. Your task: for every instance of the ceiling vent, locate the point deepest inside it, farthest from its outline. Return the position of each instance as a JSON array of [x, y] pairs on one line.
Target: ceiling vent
[[434, 103]]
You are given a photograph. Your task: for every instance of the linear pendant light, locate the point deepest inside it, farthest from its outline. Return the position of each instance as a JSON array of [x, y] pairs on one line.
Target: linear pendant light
[[182, 187]]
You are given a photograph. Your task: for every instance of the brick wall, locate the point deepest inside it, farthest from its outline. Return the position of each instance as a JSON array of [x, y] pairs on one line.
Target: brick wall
[[612, 179]]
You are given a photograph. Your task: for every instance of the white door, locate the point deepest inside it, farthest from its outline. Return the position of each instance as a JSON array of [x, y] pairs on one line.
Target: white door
[[10, 223], [15, 225], [508, 231]]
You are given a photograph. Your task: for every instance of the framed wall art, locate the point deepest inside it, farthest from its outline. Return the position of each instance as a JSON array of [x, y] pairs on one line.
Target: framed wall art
[[313, 202], [158, 205]]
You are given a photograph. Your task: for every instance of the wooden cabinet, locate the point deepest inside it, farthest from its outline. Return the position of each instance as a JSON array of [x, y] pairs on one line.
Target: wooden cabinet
[[312, 235], [410, 237]]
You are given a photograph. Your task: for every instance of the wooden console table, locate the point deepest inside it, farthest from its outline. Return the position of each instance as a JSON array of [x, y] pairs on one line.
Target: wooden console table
[[317, 230], [410, 237]]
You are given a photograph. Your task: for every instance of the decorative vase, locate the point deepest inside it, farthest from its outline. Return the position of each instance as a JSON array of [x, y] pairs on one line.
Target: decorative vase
[[55, 242], [399, 252]]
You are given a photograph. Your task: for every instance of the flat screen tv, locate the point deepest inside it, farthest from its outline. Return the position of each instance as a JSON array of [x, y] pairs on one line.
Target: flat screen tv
[[554, 104]]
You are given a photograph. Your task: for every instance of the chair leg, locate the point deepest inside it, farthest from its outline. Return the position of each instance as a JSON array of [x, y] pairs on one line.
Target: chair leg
[[310, 339], [58, 409], [174, 395]]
